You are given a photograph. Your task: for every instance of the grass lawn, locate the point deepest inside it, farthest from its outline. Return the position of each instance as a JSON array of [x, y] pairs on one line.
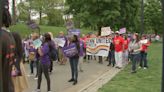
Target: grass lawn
[[144, 80], [25, 31]]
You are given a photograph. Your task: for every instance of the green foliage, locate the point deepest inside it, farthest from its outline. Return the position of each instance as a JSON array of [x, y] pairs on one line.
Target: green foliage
[[130, 14], [95, 13], [23, 11], [153, 16], [144, 80], [55, 18]]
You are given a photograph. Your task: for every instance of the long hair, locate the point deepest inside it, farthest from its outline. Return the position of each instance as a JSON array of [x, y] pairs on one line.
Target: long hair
[[47, 37], [76, 41], [137, 38], [18, 41], [6, 18]]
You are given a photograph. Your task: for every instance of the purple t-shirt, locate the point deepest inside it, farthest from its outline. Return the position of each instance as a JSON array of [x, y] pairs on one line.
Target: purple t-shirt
[[81, 53], [45, 59]]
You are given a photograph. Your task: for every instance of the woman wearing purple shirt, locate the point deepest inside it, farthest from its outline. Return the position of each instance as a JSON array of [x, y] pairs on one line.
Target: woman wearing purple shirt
[[44, 62], [74, 60]]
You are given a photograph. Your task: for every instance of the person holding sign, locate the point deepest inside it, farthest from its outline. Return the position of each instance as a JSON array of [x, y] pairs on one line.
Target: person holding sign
[[44, 64], [135, 49], [119, 48], [74, 60], [62, 58], [144, 49]]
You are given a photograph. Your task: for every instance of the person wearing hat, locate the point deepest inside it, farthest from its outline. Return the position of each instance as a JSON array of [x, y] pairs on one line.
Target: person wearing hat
[[119, 48], [62, 58]]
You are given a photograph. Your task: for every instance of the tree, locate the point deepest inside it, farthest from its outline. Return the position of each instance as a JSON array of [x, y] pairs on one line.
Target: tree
[[13, 12], [55, 18], [130, 15], [24, 11], [153, 16], [44, 6], [113, 13]]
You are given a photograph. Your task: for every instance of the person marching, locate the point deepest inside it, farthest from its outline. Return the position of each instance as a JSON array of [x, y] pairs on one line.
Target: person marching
[[134, 48], [119, 48]]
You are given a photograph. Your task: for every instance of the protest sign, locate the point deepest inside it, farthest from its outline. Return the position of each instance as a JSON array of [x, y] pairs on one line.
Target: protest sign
[[98, 46], [59, 41], [37, 43], [122, 30], [74, 32], [69, 25], [70, 50], [105, 31], [144, 41]]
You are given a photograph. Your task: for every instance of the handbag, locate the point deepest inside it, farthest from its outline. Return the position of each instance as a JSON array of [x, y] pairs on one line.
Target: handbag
[[20, 82], [31, 56]]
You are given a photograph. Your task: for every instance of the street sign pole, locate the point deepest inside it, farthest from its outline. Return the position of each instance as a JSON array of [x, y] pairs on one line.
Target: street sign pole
[[162, 86]]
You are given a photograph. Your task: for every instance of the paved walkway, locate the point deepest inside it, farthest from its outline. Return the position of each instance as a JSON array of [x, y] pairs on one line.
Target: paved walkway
[[94, 73]]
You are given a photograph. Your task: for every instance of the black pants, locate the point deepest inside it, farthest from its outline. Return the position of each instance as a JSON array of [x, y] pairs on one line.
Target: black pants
[[74, 67], [143, 61], [43, 68], [51, 66], [37, 67], [32, 66], [111, 58], [100, 59], [135, 58]]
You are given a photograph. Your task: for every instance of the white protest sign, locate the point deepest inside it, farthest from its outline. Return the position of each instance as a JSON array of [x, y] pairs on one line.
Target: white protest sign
[[105, 31], [98, 46], [59, 41], [144, 41]]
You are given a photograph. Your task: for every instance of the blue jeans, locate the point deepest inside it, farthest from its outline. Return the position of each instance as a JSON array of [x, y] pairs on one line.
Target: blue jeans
[[135, 58], [143, 61], [74, 67]]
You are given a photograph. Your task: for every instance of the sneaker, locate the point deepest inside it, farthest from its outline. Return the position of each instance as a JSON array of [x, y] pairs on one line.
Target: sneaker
[[145, 68], [139, 67], [49, 91], [37, 90], [30, 75], [75, 82], [71, 80], [36, 78]]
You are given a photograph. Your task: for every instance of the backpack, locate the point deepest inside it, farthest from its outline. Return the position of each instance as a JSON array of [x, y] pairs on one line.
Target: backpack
[[53, 54]]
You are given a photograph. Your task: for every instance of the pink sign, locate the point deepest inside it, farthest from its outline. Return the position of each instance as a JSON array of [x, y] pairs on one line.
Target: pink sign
[[122, 30]]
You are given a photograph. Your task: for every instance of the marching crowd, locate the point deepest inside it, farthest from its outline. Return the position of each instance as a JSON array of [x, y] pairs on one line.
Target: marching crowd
[[124, 49]]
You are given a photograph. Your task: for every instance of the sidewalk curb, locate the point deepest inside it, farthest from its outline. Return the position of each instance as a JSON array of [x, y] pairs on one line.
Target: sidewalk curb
[[100, 81]]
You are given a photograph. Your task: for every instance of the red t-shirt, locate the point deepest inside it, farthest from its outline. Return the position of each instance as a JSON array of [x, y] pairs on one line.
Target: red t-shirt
[[126, 44], [118, 43], [145, 47]]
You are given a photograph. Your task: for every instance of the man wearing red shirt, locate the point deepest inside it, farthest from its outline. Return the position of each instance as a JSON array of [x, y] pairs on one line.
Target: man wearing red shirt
[[144, 49], [119, 48]]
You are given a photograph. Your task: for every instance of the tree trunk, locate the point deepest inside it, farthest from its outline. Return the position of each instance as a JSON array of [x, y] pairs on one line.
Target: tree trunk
[[40, 16], [14, 13]]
